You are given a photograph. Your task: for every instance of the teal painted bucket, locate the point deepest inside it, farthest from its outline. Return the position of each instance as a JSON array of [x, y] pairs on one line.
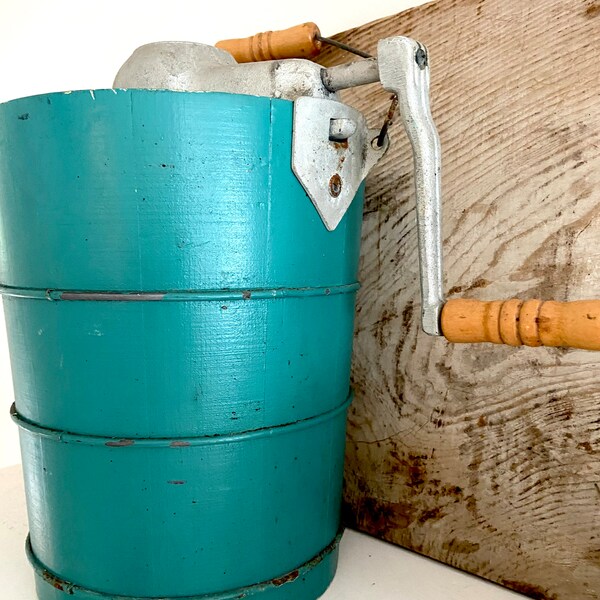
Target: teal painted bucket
[[180, 329]]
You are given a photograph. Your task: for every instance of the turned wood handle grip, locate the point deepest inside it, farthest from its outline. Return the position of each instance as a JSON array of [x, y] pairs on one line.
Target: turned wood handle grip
[[523, 323], [300, 41]]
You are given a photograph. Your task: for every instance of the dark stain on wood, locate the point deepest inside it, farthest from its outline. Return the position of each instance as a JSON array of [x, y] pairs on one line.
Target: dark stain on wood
[[593, 556], [586, 446], [460, 546], [380, 326], [593, 10], [433, 514], [477, 284], [532, 591], [379, 518], [407, 314]]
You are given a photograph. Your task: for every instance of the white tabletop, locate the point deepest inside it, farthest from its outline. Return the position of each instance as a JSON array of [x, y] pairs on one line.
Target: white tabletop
[[369, 569]]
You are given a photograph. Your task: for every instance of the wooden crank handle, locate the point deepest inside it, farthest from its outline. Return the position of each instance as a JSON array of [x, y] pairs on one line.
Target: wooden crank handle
[[301, 41], [523, 323]]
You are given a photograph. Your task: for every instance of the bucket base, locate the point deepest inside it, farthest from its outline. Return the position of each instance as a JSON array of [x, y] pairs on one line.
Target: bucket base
[[307, 582]]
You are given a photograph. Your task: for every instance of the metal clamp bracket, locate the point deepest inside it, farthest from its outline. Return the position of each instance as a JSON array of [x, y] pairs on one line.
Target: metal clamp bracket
[[332, 153]]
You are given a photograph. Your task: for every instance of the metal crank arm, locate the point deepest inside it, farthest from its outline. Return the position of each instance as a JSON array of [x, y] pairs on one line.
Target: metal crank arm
[[402, 67]]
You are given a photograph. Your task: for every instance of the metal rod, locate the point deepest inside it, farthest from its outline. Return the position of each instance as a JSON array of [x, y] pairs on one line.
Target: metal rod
[[350, 75], [343, 46], [387, 121]]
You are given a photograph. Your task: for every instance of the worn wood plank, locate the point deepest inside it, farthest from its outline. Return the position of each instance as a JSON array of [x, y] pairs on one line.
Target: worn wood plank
[[486, 457]]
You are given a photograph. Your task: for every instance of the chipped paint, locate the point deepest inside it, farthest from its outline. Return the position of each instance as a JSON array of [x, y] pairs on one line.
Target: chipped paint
[[286, 578], [119, 443], [57, 583], [295, 578]]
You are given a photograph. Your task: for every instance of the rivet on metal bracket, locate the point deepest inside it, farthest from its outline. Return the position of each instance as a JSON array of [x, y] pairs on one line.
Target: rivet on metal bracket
[[332, 154]]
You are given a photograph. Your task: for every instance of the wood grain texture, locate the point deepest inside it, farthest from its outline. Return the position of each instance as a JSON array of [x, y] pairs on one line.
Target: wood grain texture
[[486, 457]]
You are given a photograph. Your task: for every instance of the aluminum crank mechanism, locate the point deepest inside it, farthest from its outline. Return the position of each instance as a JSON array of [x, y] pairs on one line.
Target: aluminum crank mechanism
[[402, 68], [333, 150]]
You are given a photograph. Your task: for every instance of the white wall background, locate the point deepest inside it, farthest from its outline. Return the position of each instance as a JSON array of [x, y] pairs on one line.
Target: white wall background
[[48, 46]]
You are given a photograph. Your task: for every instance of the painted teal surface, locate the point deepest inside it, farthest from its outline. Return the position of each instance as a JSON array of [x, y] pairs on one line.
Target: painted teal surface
[[141, 190], [201, 367], [189, 445], [171, 520]]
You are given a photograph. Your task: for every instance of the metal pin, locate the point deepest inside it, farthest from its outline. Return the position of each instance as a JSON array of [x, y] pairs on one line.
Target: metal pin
[[387, 121], [343, 46]]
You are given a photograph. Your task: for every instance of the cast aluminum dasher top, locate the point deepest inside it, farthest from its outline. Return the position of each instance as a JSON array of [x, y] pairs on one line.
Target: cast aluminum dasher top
[[333, 149]]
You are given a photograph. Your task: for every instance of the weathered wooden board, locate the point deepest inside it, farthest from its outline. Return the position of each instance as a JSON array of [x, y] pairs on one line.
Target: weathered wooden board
[[486, 457]]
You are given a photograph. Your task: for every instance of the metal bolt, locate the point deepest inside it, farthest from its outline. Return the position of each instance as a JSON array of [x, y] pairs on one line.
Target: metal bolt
[[421, 58], [335, 186], [341, 129]]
